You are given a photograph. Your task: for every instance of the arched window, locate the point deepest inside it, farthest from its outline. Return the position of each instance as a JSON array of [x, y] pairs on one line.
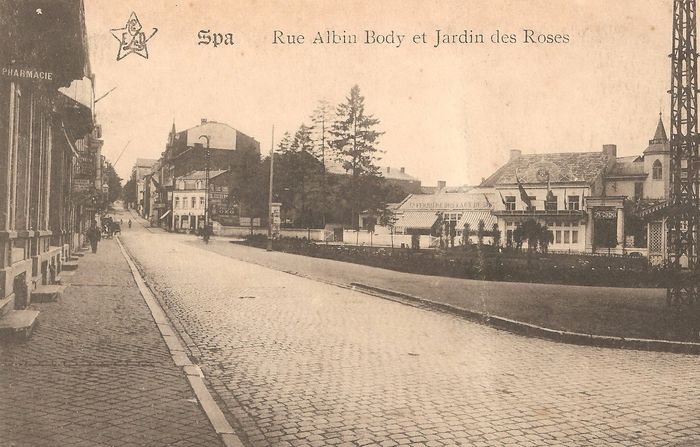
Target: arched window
[[181, 184], [657, 171], [199, 184]]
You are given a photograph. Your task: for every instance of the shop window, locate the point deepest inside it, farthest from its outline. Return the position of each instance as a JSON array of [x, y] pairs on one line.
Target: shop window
[[510, 203], [557, 240], [657, 171], [566, 237], [574, 237], [574, 203]]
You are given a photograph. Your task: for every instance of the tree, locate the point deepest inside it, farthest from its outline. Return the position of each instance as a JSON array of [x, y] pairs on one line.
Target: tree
[[496, 234], [298, 178], [249, 183], [129, 191], [480, 232], [321, 119], [388, 219], [355, 142], [113, 182]]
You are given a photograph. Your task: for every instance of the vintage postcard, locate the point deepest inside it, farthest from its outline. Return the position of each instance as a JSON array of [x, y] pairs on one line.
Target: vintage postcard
[[349, 223]]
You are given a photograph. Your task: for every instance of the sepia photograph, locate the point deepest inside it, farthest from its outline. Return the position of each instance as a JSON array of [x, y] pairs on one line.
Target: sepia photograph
[[251, 223]]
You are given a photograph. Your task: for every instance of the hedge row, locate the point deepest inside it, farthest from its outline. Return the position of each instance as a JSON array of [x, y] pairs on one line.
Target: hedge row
[[486, 262]]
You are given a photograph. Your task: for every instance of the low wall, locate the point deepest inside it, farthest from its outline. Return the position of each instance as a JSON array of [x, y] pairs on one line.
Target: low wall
[[353, 237]]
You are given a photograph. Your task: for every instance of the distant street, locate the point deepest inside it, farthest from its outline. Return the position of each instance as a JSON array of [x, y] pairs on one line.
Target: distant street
[[299, 362]]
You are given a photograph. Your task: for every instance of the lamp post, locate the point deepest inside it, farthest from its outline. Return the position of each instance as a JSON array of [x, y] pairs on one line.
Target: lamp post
[[269, 202], [206, 184]]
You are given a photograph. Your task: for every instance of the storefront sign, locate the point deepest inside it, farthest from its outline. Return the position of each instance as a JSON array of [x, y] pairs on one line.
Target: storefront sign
[[604, 214], [80, 184], [26, 73]]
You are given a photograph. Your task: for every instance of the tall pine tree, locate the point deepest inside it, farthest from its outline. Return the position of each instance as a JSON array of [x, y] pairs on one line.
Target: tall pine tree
[[355, 140]]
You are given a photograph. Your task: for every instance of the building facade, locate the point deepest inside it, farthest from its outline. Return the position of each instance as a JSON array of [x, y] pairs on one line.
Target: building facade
[[47, 126], [593, 202]]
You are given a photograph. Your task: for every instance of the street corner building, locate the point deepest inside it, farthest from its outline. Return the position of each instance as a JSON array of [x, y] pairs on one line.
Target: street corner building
[[171, 190], [50, 146], [594, 202]]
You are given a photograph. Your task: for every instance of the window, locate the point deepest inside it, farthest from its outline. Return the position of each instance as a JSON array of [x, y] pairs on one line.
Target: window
[[551, 203], [198, 185], [201, 202], [574, 237], [566, 237], [638, 190], [657, 171], [184, 202], [194, 202], [510, 203], [558, 237], [177, 203], [574, 203], [181, 184]]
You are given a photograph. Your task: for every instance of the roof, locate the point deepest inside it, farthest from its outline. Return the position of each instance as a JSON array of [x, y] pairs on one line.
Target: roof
[[145, 162], [628, 166], [201, 175], [473, 217], [416, 219], [388, 172], [660, 141], [565, 167]]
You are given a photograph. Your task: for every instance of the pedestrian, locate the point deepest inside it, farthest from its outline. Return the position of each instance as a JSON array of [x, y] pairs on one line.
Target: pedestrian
[[129, 223], [93, 234]]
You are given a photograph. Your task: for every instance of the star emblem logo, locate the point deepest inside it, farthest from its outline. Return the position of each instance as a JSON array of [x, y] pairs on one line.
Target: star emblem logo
[[132, 39]]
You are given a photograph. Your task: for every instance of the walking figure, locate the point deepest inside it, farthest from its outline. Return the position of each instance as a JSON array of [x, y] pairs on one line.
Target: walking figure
[[129, 223], [93, 234]]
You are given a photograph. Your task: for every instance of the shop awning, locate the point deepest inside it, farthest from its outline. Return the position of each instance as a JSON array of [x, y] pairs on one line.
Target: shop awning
[[417, 220], [473, 217], [165, 215]]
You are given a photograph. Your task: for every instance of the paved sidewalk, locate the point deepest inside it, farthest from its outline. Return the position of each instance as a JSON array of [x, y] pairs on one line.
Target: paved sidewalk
[[96, 371]]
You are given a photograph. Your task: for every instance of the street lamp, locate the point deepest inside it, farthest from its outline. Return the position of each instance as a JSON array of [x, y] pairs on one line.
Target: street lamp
[[206, 184]]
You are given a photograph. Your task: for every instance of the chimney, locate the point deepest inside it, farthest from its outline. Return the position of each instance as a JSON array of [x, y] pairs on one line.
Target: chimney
[[515, 154], [204, 121], [610, 150], [442, 184], [403, 170]]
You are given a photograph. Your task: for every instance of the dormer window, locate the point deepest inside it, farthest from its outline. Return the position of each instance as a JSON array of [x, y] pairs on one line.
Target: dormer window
[[181, 184], [657, 171]]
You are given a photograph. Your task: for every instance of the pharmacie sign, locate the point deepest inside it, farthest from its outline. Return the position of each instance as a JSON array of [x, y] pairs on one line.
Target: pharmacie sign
[[31, 74]]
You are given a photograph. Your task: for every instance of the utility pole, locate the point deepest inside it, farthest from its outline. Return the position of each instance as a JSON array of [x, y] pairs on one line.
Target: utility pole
[[206, 183], [684, 195], [269, 202]]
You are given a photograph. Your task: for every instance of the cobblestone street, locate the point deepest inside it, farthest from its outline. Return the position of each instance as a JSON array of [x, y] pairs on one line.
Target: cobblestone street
[[96, 371], [298, 362]]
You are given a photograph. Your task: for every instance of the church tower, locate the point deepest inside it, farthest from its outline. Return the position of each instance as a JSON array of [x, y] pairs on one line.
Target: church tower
[[657, 162]]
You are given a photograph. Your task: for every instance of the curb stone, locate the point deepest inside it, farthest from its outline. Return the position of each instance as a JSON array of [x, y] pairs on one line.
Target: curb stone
[[527, 329], [192, 372], [513, 326]]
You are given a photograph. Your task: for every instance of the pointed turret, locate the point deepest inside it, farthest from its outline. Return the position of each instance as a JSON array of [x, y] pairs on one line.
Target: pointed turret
[[660, 141], [171, 136]]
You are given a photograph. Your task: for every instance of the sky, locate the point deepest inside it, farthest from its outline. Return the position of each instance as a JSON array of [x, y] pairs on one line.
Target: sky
[[451, 112]]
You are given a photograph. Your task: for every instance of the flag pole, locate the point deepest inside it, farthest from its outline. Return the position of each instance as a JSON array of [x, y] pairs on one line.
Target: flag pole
[[269, 203]]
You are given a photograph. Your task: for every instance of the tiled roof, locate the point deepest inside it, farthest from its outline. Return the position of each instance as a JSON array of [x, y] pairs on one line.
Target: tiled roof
[[567, 167], [335, 167], [627, 166], [416, 219], [473, 217]]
